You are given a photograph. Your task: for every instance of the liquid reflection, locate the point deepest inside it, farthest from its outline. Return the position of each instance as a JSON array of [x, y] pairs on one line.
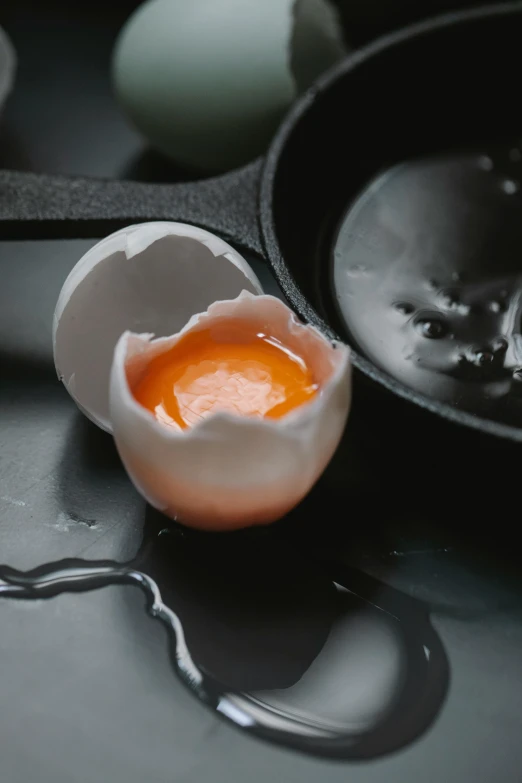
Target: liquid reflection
[[428, 278], [331, 664]]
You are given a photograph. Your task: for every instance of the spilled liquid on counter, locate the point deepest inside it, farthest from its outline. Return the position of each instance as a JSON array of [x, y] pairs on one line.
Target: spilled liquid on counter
[[427, 269], [334, 665]]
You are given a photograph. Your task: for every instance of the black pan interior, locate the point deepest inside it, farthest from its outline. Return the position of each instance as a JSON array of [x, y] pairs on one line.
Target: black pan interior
[[446, 86], [439, 90]]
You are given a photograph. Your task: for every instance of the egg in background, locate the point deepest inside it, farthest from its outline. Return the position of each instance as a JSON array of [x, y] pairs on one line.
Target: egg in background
[[208, 81]]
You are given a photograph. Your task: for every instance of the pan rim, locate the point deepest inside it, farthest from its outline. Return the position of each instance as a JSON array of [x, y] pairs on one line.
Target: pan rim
[[268, 235]]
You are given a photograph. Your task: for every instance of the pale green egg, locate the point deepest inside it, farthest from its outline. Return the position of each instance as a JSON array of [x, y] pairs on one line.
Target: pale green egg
[[208, 81]]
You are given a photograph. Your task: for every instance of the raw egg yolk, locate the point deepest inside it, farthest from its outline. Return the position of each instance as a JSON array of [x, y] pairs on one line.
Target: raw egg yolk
[[228, 369]]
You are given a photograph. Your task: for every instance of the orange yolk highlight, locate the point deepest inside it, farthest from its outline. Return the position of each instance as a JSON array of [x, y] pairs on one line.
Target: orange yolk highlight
[[201, 375]]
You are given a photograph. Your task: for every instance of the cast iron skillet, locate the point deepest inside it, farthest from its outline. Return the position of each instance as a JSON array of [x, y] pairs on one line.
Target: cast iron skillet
[[434, 86]]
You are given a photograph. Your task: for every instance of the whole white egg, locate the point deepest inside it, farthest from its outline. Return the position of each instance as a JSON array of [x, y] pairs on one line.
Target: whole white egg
[[208, 81]]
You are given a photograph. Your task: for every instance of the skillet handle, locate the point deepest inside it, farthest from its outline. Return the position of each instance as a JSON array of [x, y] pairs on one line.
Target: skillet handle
[[42, 206]]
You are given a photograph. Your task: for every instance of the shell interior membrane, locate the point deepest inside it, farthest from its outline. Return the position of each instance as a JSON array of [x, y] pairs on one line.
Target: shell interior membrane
[[147, 278]]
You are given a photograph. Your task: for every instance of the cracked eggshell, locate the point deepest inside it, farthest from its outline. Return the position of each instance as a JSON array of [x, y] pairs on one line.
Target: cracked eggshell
[[7, 67], [149, 277], [208, 82], [230, 471]]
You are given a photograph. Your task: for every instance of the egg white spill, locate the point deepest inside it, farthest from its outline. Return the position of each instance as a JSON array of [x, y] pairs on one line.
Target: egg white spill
[[229, 471], [7, 67], [151, 277]]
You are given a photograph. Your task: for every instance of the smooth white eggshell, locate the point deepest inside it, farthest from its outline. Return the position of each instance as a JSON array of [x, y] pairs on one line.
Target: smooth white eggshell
[[149, 277], [230, 471]]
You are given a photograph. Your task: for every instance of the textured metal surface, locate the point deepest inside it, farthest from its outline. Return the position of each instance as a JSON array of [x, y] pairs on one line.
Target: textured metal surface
[[45, 206]]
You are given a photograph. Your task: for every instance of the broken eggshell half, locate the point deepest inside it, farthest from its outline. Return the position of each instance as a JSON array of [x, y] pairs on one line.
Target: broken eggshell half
[[229, 471], [150, 277]]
